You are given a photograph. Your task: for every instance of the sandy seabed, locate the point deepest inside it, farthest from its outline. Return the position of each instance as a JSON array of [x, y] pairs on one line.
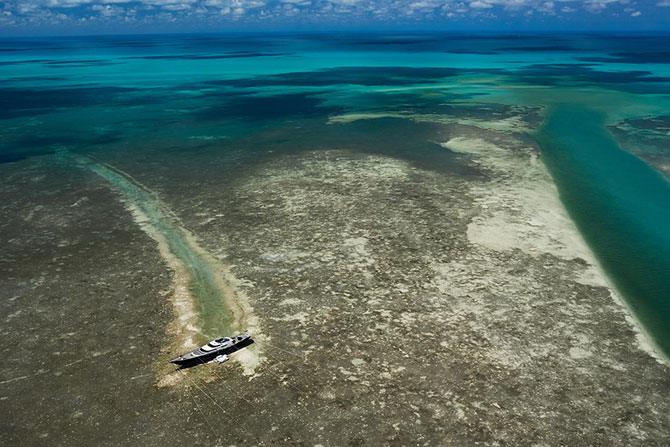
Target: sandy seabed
[[399, 305]]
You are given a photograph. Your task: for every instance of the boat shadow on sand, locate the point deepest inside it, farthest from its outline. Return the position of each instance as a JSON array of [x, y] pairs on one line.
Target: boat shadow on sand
[[208, 358]]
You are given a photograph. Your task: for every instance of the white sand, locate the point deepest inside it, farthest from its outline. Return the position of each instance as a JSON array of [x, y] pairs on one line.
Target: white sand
[[523, 211]]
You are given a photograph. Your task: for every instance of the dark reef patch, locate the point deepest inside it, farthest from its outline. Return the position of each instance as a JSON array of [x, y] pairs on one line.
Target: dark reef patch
[[391, 40], [78, 61], [656, 57], [32, 79], [9, 156], [557, 74], [397, 76], [403, 139], [26, 61], [656, 123], [467, 51], [268, 107], [17, 102], [539, 48], [234, 55], [75, 63], [634, 81], [35, 145]]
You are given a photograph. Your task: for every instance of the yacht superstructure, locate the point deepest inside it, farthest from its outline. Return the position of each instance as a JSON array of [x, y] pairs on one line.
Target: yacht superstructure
[[213, 348]]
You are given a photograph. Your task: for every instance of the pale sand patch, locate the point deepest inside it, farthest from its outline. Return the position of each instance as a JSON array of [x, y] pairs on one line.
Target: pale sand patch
[[300, 317], [523, 211], [357, 247], [515, 123], [578, 353], [249, 359], [351, 117], [298, 202], [358, 362]]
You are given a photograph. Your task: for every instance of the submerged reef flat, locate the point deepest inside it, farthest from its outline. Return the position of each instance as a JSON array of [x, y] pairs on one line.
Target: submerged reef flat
[[399, 303], [84, 310], [403, 235], [408, 304]]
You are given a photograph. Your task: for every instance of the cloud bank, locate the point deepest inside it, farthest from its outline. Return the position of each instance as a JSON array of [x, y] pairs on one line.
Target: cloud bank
[[257, 14]]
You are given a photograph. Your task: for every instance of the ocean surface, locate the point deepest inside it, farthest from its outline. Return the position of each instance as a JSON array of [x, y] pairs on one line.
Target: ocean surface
[[159, 106]]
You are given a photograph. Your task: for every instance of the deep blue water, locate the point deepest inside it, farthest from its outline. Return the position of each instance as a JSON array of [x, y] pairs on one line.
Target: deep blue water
[[154, 101]]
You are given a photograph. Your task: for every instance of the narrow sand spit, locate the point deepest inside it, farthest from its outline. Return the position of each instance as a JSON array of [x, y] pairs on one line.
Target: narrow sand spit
[[514, 123], [153, 217], [351, 117], [524, 212]]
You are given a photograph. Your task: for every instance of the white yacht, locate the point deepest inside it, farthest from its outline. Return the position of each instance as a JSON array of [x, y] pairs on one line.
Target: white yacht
[[213, 348]]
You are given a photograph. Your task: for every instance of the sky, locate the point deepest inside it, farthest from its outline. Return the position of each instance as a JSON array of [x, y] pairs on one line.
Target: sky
[[35, 17]]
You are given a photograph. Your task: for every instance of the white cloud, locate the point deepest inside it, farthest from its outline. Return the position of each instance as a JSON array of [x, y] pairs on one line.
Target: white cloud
[[67, 3], [232, 5], [321, 11], [477, 4], [177, 6], [298, 2], [517, 5], [514, 4], [165, 17], [425, 4], [25, 8], [599, 5], [167, 3], [109, 10]]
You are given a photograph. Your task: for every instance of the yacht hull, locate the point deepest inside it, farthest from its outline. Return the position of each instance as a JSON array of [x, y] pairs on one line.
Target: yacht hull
[[206, 353]]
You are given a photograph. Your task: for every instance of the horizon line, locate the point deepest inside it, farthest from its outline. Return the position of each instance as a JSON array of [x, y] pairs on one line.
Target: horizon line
[[306, 32]]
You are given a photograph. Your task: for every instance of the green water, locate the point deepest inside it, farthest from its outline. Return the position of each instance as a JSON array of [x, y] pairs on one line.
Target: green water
[[215, 317], [621, 206]]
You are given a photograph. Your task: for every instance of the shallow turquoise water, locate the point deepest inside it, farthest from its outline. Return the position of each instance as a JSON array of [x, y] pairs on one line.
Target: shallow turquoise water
[[216, 317]]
